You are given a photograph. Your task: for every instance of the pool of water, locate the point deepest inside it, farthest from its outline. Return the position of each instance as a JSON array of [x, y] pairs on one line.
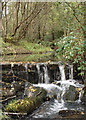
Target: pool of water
[[50, 109]]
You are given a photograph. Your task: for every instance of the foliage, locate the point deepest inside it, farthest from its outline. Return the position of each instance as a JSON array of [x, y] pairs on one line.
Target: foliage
[[24, 47], [71, 48], [3, 116]]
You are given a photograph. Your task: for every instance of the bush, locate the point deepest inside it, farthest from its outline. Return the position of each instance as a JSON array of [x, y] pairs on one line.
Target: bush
[[71, 48]]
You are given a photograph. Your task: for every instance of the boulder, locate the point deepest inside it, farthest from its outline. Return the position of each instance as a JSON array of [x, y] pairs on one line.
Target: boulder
[[71, 114], [71, 94]]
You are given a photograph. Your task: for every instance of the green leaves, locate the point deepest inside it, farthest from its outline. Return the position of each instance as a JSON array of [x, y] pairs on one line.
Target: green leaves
[[71, 48]]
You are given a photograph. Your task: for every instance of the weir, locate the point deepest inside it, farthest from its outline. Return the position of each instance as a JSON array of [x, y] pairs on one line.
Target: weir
[[53, 77]]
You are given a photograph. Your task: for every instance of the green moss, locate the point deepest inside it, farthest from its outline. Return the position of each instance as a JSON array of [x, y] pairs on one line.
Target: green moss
[[26, 57], [24, 47], [27, 104], [84, 90]]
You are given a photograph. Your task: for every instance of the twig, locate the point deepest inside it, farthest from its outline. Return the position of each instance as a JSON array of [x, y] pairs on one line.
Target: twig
[[75, 15], [18, 78], [8, 98], [10, 113], [39, 93]]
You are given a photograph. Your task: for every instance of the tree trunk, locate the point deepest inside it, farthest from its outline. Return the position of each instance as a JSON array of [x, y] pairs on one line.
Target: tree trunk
[[84, 39], [53, 35], [17, 11], [39, 36], [5, 22], [65, 33]]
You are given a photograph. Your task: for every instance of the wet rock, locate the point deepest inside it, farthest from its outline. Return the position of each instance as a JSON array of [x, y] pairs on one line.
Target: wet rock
[[71, 114], [32, 73], [18, 85], [6, 67], [54, 72], [71, 94], [51, 96], [83, 99], [67, 71]]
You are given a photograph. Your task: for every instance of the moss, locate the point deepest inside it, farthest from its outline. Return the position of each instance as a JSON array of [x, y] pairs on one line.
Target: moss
[[27, 104], [24, 47]]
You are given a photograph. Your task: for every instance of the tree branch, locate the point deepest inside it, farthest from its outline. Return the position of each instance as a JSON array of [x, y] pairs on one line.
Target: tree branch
[[23, 21], [75, 15]]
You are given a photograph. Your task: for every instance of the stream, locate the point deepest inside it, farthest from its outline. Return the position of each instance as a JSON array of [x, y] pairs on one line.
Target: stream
[[67, 91], [51, 108]]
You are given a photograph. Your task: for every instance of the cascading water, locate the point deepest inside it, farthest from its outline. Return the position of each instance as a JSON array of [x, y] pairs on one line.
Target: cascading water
[[61, 88], [40, 74], [61, 67], [46, 77], [71, 72], [43, 75], [50, 108]]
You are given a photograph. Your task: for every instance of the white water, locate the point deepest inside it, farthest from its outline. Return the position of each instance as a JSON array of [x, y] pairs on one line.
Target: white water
[[62, 72], [61, 86], [50, 108], [71, 72], [46, 77], [43, 75], [48, 87], [40, 74]]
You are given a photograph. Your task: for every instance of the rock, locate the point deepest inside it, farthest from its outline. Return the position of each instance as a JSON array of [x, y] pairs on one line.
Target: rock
[[7, 90], [28, 104], [50, 96], [71, 94], [71, 114], [18, 86], [83, 99]]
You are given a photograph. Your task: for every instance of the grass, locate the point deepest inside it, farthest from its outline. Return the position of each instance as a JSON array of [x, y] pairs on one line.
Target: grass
[[24, 47], [26, 57], [34, 47], [25, 51]]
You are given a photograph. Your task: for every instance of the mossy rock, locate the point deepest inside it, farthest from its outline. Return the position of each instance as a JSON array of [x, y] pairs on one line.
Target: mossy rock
[[83, 99], [71, 94], [27, 105]]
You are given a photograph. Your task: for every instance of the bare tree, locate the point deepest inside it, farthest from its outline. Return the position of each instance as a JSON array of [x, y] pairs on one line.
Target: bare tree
[[5, 22]]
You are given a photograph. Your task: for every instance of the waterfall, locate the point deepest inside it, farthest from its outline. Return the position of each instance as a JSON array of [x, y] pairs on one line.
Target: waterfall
[[71, 72], [46, 77], [26, 67], [61, 87], [61, 67], [40, 74], [43, 75]]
